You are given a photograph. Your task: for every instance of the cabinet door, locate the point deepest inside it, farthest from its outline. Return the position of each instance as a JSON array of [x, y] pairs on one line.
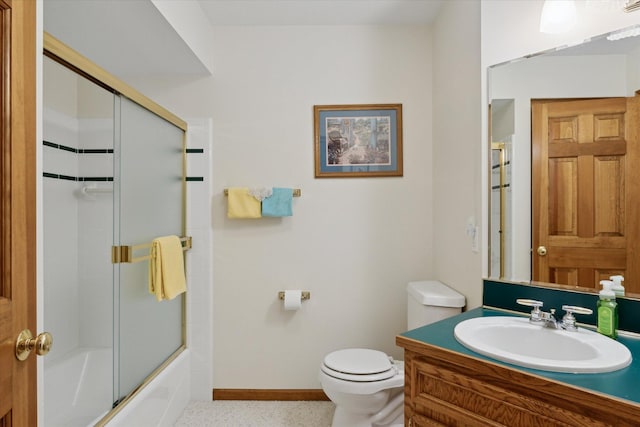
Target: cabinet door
[[455, 398]]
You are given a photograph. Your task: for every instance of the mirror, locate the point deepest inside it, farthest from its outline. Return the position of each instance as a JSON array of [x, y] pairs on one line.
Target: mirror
[[598, 68]]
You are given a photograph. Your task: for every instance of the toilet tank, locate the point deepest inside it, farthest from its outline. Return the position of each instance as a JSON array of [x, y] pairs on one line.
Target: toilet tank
[[429, 301]]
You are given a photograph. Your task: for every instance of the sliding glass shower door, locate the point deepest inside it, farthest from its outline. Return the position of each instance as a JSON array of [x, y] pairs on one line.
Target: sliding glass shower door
[[112, 177], [77, 234], [149, 204]]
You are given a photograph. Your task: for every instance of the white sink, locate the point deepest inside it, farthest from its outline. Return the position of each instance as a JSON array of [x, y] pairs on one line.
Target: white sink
[[516, 341]]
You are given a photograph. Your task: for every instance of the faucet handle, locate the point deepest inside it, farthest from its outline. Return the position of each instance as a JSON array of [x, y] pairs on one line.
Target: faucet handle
[[568, 320], [530, 302], [535, 313], [576, 309]]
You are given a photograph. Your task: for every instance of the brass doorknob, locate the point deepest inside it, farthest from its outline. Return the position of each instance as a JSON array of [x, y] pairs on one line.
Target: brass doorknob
[[26, 343], [542, 251]]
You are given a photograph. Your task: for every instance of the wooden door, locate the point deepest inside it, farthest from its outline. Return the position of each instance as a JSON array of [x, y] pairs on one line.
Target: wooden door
[[17, 207], [584, 195]]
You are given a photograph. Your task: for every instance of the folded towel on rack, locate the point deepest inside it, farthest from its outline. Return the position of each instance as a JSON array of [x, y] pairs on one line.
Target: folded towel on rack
[[261, 193], [279, 203], [241, 204], [166, 268]]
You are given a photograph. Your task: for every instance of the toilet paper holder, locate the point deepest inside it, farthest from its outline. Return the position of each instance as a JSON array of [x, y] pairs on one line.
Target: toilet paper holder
[[305, 295]]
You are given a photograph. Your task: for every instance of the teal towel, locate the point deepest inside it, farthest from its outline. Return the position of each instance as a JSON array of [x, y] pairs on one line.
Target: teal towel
[[279, 203]]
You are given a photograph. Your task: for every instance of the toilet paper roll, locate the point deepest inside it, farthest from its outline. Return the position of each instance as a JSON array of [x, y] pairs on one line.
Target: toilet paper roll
[[292, 300]]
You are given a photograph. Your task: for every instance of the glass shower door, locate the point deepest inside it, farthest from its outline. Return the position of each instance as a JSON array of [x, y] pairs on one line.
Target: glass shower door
[[149, 204], [112, 177], [77, 208]]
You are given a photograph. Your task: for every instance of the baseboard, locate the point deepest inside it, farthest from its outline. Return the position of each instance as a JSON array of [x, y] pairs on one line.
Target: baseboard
[[268, 394]]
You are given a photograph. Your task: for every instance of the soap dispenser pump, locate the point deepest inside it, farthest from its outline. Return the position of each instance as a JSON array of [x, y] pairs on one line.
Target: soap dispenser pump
[[617, 287], [607, 309]]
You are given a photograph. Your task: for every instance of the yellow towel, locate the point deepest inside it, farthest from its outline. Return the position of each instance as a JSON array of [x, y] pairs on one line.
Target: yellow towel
[[166, 268], [243, 205]]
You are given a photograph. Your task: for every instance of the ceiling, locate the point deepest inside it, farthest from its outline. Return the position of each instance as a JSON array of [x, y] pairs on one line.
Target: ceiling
[[320, 12], [132, 38], [125, 37]]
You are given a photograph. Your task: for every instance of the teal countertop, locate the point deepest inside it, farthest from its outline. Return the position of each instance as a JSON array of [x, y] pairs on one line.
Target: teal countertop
[[621, 384]]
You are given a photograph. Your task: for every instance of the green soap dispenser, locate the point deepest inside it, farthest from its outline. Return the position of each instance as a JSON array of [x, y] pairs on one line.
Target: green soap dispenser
[[607, 309]]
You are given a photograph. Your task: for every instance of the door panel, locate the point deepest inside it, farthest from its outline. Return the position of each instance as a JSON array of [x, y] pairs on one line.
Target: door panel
[[608, 196], [563, 197], [17, 218], [583, 192]]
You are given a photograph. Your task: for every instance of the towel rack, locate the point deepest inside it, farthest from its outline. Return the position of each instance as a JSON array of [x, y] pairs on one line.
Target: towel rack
[[296, 192], [124, 254]]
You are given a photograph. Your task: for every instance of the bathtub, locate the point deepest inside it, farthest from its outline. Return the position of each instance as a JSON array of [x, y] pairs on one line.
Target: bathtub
[[78, 387], [161, 402], [78, 392]]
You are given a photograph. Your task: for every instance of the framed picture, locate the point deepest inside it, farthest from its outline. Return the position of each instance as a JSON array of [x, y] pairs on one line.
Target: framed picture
[[358, 140]]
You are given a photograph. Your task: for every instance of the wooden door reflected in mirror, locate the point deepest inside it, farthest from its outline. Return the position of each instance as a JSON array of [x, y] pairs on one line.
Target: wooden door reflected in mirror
[[584, 195]]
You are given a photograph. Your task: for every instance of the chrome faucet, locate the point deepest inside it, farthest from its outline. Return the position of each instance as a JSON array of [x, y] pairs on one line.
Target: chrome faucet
[[548, 319]]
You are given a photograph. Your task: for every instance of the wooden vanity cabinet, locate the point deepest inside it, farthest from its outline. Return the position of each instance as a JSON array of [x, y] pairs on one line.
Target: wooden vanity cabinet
[[446, 388]]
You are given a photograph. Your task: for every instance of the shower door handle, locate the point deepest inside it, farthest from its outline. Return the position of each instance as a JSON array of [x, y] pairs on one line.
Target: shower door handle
[[26, 343]]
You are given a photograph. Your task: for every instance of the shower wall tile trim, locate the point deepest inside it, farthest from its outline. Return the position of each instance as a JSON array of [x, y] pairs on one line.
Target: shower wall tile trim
[[78, 178], [197, 162], [78, 150], [68, 163], [65, 148]]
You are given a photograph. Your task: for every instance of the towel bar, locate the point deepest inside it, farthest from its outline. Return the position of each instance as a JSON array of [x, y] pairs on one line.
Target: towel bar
[[296, 192], [124, 254]]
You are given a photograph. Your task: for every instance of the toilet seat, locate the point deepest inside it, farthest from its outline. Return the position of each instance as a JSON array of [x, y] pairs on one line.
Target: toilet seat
[[359, 365]]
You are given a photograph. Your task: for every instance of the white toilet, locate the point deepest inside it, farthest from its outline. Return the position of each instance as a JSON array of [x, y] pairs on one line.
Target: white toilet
[[367, 386]]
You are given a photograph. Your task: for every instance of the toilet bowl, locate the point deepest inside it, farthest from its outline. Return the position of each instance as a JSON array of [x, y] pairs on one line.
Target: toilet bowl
[[366, 387]]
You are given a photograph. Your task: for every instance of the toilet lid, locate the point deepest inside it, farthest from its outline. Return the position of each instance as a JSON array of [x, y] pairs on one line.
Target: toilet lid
[[368, 378], [359, 361]]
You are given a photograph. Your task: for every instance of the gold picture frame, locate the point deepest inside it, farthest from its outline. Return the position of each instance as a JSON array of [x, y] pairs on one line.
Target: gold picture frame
[[360, 140]]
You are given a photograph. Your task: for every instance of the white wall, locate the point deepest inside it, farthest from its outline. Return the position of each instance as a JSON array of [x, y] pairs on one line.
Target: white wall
[[354, 243], [189, 22], [457, 146]]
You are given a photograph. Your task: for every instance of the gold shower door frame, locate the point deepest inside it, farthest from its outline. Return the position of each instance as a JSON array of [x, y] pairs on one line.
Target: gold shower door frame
[[500, 147], [71, 59]]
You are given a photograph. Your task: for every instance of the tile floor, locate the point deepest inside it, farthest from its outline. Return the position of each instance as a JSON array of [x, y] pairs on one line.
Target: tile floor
[[241, 413]]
